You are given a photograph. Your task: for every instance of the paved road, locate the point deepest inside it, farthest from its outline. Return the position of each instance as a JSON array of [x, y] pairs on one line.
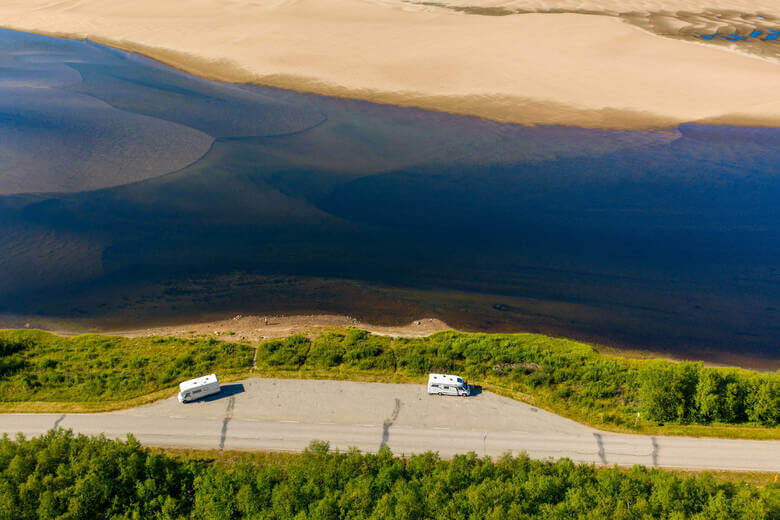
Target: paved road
[[285, 415]]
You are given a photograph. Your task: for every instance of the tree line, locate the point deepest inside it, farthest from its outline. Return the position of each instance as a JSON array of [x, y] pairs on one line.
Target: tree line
[[67, 477]]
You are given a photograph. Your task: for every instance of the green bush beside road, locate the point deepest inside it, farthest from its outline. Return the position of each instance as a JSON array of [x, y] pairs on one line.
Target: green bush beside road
[[688, 392], [38, 366]]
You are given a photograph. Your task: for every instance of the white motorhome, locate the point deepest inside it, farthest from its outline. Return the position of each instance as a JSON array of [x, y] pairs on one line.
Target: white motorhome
[[197, 388], [445, 384]]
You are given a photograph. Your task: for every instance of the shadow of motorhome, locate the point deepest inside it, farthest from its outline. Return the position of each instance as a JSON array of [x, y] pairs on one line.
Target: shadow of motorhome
[[225, 391], [475, 390]]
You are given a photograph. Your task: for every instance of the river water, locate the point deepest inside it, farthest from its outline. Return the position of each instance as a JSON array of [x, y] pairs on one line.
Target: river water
[[132, 193]]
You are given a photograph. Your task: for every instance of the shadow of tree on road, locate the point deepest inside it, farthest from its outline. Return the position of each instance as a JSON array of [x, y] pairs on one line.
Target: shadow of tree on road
[[389, 422]]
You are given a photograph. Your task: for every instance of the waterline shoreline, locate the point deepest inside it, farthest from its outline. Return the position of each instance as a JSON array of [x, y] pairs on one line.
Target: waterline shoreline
[[275, 325]]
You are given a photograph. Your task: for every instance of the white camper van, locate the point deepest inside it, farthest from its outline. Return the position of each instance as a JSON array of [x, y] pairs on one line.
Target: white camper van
[[197, 388], [444, 384]]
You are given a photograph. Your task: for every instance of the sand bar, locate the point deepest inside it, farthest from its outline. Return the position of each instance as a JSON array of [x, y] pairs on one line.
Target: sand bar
[[539, 68]]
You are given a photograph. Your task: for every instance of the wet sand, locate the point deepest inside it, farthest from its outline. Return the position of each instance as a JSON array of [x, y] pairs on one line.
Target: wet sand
[[574, 63], [269, 326]]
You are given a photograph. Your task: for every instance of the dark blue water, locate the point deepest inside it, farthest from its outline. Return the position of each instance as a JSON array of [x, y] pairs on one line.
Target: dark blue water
[[218, 198]]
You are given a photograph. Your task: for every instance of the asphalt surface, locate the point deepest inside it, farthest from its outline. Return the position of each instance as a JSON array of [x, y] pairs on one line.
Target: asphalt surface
[[286, 415]]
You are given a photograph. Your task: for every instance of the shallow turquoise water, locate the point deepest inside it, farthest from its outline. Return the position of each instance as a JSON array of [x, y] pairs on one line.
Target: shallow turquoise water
[[661, 239]]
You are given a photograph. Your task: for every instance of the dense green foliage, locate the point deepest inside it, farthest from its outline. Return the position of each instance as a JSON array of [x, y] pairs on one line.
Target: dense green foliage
[[37, 366], [687, 392], [571, 376], [66, 477]]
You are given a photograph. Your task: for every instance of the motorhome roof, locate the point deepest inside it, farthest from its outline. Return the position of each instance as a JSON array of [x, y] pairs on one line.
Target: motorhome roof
[[444, 378], [198, 382]]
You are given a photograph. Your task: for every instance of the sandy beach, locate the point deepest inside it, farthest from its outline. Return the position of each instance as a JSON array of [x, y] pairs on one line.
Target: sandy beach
[[598, 63]]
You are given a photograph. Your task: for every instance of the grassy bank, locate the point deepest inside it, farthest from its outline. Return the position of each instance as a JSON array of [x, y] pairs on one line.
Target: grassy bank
[[42, 372], [62, 476], [98, 372]]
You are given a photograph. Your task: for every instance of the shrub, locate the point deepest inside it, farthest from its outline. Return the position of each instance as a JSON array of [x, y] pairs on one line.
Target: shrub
[[667, 391], [45, 367], [288, 353]]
